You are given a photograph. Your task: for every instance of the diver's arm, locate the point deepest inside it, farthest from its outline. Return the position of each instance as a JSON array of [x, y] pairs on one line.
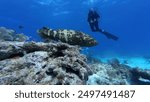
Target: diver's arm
[[96, 17], [89, 19]]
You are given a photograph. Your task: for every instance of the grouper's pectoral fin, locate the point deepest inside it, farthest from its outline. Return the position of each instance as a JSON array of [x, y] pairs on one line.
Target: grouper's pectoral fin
[[109, 35]]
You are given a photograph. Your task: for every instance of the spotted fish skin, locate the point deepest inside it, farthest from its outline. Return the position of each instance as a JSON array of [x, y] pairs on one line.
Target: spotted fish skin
[[71, 37]]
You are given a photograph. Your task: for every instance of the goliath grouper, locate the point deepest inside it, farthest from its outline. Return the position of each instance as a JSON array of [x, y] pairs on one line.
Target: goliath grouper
[[71, 37]]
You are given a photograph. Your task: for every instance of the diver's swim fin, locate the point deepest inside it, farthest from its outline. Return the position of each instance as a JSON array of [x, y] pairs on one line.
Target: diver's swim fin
[[108, 35]]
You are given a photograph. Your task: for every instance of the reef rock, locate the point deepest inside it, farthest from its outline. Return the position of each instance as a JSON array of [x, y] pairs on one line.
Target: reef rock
[[33, 63], [140, 76], [115, 73], [106, 74], [71, 37], [10, 35]]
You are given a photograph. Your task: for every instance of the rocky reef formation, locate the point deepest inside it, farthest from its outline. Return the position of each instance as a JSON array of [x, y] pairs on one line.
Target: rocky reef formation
[[35, 63], [114, 73], [42, 63], [140, 76], [68, 36], [111, 73], [38, 63], [10, 35]]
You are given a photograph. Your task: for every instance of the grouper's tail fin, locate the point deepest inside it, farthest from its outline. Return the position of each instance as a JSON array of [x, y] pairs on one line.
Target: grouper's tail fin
[[109, 35]]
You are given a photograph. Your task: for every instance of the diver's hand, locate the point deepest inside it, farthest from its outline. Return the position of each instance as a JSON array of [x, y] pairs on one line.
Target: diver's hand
[[91, 21], [95, 20]]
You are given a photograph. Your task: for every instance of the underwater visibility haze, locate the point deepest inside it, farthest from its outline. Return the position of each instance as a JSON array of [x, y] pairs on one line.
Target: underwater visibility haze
[[129, 20]]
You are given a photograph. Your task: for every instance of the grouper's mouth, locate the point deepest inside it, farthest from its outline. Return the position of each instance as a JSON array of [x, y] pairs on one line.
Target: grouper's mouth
[[93, 43]]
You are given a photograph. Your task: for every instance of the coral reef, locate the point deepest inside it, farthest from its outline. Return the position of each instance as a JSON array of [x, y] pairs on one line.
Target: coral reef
[[114, 73], [68, 36], [106, 74], [42, 63], [140, 76], [10, 35], [38, 63]]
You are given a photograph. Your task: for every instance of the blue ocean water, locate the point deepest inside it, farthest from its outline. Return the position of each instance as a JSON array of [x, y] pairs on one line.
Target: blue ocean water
[[128, 19]]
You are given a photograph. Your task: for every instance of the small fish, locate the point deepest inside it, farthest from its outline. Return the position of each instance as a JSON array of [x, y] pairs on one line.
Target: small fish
[[71, 37]]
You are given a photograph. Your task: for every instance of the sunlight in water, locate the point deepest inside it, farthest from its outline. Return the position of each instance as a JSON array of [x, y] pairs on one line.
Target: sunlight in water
[[92, 2]]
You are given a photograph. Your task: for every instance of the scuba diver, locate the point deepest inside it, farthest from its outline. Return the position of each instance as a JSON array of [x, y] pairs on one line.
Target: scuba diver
[[93, 18]]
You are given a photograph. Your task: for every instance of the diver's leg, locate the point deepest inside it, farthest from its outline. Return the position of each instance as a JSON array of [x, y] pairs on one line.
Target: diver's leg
[[96, 26], [92, 27], [108, 35]]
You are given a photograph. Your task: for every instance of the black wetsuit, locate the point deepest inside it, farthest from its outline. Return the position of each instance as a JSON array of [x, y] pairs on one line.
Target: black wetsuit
[[93, 20]]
